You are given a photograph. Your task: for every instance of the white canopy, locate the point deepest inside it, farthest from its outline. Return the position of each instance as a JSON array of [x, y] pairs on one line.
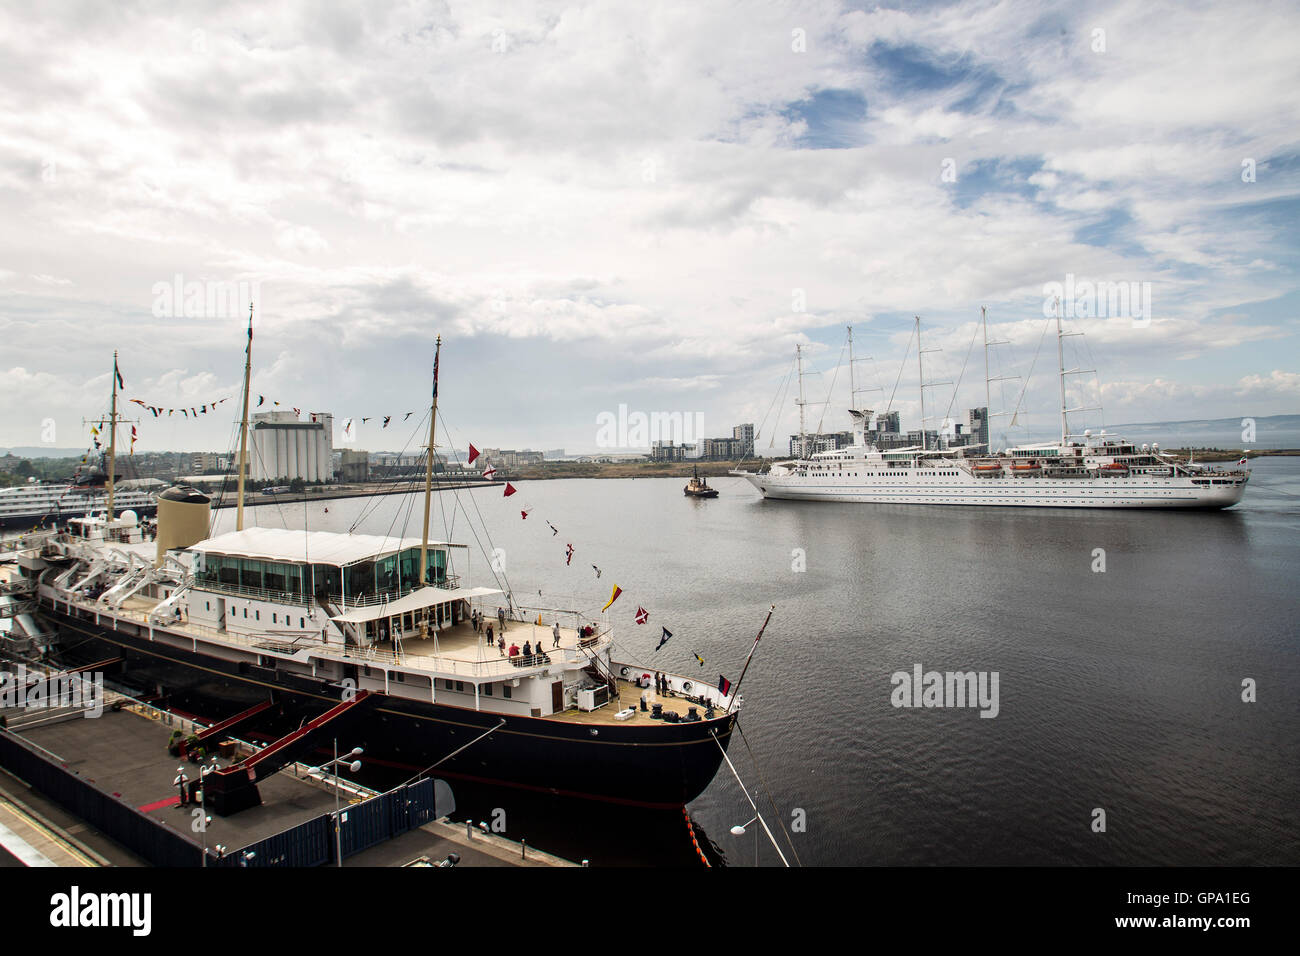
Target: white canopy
[[415, 601], [308, 547]]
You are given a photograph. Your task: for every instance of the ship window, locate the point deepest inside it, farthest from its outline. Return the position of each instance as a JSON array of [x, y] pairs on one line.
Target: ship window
[[257, 615], [302, 622], [245, 612], [487, 690], [208, 605], [273, 619], [401, 678], [505, 691]]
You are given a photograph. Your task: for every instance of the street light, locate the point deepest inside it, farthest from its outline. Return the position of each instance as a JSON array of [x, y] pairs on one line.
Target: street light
[[203, 805], [353, 767], [740, 831]]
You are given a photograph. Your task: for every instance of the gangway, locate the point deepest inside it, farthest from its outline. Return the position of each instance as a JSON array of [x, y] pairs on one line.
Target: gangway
[[226, 728], [234, 788]]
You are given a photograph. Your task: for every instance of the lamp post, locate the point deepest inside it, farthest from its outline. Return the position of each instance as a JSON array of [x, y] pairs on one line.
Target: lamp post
[[740, 831], [203, 805], [353, 767]]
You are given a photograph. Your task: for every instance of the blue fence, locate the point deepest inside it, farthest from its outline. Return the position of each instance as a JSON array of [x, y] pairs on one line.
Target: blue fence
[[146, 837], [363, 825]]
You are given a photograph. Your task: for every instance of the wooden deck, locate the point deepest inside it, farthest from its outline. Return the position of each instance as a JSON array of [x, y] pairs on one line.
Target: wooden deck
[[629, 695]]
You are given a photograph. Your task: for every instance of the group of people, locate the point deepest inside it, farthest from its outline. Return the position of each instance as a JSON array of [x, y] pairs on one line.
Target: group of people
[[483, 625]]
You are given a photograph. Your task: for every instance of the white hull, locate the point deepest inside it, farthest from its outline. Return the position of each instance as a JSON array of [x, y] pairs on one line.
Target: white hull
[[962, 489]]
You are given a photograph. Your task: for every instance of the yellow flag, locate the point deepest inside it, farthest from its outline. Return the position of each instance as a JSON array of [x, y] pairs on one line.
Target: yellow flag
[[613, 597]]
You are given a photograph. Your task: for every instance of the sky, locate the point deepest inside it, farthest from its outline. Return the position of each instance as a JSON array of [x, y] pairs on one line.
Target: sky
[[643, 205]]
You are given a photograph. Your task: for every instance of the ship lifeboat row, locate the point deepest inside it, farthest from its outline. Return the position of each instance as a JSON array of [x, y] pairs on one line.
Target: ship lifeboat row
[[986, 469], [1114, 469], [1026, 468]]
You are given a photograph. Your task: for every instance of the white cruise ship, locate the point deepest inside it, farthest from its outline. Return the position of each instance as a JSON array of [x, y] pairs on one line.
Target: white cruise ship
[[1078, 471], [33, 504]]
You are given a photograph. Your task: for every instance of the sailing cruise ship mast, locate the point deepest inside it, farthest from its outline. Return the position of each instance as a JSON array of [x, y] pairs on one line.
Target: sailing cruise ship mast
[[243, 426], [803, 443], [920, 377], [988, 380], [1061, 335]]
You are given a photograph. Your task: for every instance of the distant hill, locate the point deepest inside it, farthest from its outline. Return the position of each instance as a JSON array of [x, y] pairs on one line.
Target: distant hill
[[42, 451]]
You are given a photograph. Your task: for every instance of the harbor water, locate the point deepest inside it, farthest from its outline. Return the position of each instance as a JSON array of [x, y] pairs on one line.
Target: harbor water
[[1148, 680]]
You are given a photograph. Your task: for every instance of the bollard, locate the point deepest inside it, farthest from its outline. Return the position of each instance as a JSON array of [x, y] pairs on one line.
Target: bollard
[[469, 830], [523, 849]]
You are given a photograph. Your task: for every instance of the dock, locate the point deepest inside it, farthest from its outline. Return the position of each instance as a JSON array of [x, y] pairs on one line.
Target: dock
[[123, 752]]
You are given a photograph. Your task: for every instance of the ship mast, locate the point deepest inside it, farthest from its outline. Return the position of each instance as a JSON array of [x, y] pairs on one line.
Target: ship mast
[[920, 378], [243, 426], [428, 474], [112, 438], [853, 392], [1060, 362], [803, 442]]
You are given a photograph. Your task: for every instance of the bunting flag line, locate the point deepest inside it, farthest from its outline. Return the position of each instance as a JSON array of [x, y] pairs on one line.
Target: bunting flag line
[[724, 685], [641, 615], [612, 598], [387, 419]]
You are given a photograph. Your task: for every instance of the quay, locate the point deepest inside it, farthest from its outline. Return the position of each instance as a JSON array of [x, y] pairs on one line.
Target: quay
[[123, 754]]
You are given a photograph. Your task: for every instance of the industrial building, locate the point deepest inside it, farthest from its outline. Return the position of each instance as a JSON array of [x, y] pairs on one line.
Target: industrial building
[[282, 447]]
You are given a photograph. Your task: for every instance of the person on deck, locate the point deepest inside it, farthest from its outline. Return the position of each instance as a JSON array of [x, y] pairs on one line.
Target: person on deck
[[489, 633], [501, 618], [514, 650], [528, 649], [555, 634]]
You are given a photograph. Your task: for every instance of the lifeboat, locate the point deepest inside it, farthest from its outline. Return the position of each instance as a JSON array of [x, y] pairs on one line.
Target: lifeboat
[[987, 469], [1026, 468], [1114, 468]]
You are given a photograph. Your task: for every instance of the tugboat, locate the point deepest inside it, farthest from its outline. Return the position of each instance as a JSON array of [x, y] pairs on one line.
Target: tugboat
[[698, 487]]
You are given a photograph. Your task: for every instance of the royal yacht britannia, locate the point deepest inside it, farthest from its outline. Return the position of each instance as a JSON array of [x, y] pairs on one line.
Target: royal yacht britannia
[[276, 627]]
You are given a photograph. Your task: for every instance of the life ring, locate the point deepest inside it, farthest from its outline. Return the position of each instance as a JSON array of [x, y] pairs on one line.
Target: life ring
[[623, 672], [686, 686]]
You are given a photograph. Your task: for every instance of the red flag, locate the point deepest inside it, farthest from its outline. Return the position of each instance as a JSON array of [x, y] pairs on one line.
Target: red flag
[[523, 515], [642, 615], [489, 473], [473, 453], [510, 490], [724, 685]]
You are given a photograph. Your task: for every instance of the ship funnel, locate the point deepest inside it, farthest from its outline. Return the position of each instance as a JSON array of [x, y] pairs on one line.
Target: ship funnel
[[183, 516]]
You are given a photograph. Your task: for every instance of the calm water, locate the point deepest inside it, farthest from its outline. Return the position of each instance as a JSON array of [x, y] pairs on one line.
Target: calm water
[[1118, 690]]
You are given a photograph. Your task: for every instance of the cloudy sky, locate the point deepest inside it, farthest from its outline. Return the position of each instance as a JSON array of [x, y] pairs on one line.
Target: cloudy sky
[[640, 204]]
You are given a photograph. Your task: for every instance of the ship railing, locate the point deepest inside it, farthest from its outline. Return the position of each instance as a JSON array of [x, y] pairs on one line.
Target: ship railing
[[440, 664]]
